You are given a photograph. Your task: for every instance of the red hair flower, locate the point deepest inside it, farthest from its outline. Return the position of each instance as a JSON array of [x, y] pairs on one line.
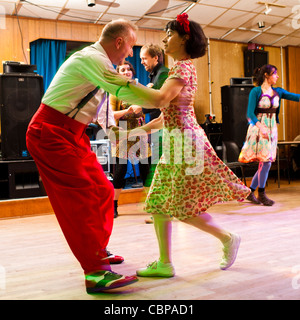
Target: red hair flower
[[182, 19]]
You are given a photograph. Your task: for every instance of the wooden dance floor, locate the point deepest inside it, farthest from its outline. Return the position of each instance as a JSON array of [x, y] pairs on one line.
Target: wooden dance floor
[[36, 263]]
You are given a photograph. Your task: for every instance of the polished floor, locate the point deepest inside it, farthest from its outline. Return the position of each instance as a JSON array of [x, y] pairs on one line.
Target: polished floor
[[36, 263]]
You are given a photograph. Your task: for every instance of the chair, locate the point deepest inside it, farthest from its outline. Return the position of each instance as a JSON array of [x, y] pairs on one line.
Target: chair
[[295, 155], [231, 153]]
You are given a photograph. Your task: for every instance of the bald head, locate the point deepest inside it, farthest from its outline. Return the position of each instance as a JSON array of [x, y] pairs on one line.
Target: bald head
[[117, 28], [118, 39]]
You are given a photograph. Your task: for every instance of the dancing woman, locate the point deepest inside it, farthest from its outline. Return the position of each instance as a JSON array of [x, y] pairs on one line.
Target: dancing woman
[[180, 188], [261, 139]]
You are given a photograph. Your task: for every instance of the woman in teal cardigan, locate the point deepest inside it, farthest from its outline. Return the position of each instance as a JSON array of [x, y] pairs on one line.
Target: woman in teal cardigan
[[262, 136]]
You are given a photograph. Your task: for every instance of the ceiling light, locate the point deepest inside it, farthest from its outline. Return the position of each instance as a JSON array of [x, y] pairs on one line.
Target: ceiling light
[[261, 24], [268, 9], [91, 3]]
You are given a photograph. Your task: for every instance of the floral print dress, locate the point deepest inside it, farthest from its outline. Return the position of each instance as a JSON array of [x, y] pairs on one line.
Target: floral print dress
[[189, 177], [256, 148]]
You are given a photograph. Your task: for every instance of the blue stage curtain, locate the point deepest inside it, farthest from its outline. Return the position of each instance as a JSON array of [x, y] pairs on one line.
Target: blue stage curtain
[[141, 73], [47, 55]]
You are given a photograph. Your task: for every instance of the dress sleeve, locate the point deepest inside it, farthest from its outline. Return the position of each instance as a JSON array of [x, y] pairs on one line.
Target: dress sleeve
[[289, 95], [180, 71]]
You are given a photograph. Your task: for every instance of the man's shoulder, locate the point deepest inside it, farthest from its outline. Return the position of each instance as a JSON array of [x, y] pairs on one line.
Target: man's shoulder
[[163, 69]]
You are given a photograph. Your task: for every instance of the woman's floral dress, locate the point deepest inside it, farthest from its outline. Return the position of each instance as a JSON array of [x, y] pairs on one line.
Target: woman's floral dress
[[256, 148], [189, 177]]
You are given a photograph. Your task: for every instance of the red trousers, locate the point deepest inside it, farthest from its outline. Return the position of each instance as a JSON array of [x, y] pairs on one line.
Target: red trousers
[[80, 194]]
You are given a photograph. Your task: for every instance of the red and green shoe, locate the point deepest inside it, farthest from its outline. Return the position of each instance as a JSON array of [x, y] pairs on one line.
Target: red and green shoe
[[106, 280]]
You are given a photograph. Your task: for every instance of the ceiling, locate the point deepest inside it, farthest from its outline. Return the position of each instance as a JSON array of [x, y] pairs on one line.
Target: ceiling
[[232, 20]]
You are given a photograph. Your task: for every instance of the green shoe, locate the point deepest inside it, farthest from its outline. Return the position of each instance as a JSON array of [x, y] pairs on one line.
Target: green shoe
[[105, 280], [157, 269], [230, 250]]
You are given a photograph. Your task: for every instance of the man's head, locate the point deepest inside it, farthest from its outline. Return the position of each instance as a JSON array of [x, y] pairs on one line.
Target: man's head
[[118, 38], [151, 55]]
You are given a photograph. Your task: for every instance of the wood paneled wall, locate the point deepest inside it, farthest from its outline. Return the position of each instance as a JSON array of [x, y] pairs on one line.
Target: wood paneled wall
[[226, 61], [292, 109], [33, 29]]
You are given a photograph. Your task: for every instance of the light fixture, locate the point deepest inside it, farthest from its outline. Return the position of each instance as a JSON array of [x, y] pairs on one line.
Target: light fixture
[[268, 6], [261, 24], [91, 3], [268, 9]]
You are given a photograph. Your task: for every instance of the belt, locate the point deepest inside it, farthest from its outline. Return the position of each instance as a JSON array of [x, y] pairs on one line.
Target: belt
[[269, 110]]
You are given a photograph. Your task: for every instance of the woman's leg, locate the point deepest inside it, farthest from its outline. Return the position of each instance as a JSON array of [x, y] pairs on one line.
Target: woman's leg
[[206, 223], [163, 230], [117, 194], [163, 267], [253, 186], [263, 176], [254, 182], [230, 241], [118, 181], [144, 169]]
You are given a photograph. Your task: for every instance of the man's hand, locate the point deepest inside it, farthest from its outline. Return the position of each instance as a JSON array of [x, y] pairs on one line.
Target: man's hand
[[136, 109], [130, 110]]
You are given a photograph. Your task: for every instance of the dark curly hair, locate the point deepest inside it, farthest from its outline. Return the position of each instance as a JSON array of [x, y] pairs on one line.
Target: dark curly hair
[[259, 74], [197, 43]]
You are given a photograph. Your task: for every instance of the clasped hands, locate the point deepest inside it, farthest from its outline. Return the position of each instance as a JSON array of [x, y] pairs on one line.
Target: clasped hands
[[134, 109]]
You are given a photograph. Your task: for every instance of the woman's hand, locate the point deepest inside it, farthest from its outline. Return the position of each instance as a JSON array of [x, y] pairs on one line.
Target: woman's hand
[[264, 134], [130, 110]]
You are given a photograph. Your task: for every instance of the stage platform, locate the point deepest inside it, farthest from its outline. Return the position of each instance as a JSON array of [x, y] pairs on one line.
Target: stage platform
[[15, 208]]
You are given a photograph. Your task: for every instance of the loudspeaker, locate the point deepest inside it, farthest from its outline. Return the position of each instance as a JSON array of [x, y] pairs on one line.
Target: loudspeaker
[[234, 113], [20, 179], [20, 97], [254, 59]]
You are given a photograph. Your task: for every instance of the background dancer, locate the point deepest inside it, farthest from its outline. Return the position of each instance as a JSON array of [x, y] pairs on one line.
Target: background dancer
[[262, 136]]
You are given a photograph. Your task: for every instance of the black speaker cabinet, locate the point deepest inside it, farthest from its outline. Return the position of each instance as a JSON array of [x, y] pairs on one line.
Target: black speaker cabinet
[[234, 113], [254, 59], [20, 179], [20, 97]]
